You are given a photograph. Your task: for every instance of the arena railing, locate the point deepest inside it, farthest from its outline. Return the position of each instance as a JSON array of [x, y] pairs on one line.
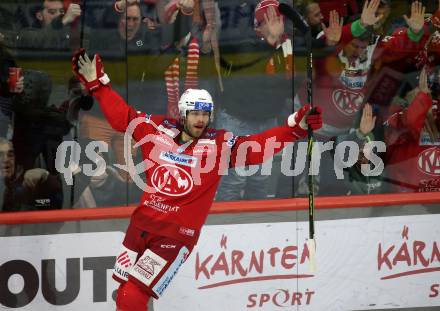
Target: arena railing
[[276, 205]]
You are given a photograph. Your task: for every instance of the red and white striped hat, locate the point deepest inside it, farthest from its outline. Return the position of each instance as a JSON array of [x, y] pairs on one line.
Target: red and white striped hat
[[262, 8]]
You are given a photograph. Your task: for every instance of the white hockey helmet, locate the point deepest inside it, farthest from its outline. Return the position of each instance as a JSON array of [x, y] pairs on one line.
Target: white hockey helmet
[[196, 99]]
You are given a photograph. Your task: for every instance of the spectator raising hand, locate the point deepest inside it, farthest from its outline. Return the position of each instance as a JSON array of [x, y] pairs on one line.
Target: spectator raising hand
[[369, 17], [334, 30], [19, 86], [368, 121], [73, 12], [121, 5], [186, 6], [274, 25], [423, 82], [417, 19], [34, 177]]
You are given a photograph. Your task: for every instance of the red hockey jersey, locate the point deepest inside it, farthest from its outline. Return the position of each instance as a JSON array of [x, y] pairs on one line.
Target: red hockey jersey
[[181, 180], [413, 158]]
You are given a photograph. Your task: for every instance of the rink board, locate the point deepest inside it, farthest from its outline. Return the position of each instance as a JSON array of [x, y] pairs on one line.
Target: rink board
[[367, 263], [363, 263]]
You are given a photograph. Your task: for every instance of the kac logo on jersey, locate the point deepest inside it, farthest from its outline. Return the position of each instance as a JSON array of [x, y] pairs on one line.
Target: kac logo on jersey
[[347, 102], [171, 180], [429, 161]]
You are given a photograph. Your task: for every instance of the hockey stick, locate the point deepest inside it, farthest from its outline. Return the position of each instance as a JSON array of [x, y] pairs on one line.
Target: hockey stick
[[83, 20], [75, 126], [300, 23]]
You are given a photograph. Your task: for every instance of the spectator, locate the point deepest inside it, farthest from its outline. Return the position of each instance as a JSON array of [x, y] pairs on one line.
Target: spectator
[[427, 50], [178, 41], [412, 137], [6, 96], [38, 127], [174, 54], [342, 86], [251, 100], [104, 189], [10, 20], [313, 16], [351, 63], [166, 10], [51, 29], [52, 13], [384, 25], [268, 90], [95, 191], [355, 181], [21, 190], [128, 37]]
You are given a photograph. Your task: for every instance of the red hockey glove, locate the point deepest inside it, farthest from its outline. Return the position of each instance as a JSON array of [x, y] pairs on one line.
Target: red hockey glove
[[314, 118], [306, 116], [89, 72]]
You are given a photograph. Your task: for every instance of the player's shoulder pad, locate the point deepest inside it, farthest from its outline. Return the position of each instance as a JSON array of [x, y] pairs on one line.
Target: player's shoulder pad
[[166, 125]]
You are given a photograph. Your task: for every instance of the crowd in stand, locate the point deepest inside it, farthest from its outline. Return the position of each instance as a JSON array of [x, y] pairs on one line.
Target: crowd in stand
[[375, 75]]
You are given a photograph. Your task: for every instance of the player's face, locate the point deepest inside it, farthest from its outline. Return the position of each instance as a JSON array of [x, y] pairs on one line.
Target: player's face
[[7, 160], [196, 122]]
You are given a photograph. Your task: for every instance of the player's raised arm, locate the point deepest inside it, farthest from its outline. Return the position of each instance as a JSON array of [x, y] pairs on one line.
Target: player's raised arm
[[257, 148], [91, 74]]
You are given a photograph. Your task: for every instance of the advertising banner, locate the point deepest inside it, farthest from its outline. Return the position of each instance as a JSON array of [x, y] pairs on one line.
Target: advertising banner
[[368, 263], [371, 263], [68, 272]]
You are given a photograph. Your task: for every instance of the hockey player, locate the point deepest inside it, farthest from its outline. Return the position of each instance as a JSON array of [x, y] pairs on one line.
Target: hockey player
[[165, 227]]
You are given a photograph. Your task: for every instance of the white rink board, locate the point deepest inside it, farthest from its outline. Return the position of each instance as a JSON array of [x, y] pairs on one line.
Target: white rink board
[[351, 272], [89, 251]]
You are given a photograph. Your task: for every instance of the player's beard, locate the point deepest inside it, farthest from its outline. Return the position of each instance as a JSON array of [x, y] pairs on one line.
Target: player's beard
[[196, 131]]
